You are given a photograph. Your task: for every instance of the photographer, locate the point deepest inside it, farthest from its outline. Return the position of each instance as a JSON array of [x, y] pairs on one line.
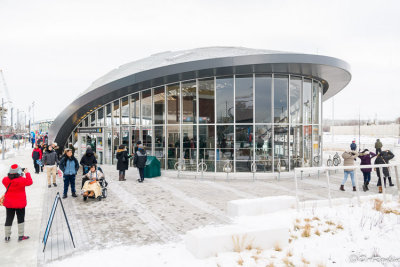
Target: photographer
[[15, 199], [349, 158]]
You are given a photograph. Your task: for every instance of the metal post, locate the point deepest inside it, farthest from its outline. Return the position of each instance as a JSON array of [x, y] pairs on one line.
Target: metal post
[[357, 188], [329, 188], [202, 169], [397, 180], [2, 129], [297, 193], [382, 184]]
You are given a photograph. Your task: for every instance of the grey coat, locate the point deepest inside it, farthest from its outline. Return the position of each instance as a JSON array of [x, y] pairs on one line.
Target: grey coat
[[50, 158]]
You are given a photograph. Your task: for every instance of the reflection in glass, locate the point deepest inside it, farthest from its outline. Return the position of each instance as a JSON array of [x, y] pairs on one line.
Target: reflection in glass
[[244, 99], [116, 140], [159, 105], [225, 145], [307, 102], [316, 150], [100, 117], [147, 133], [108, 148], [108, 115], [280, 99], [189, 146], [244, 148], [125, 110], [159, 144], [189, 102], [207, 145], [116, 113], [173, 146], [135, 109], [315, 105], [295, 147], [295, 99], [281, 148], [224, 94], [146, 107], [263, 145], [206, 101], [263, 99], [307, 139], [135, 138], [173, 104], [125, 137], [93, 119]]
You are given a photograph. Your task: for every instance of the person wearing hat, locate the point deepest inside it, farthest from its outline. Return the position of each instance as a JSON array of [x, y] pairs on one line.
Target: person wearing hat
[[15, 200], [378, 146], [140, 161]]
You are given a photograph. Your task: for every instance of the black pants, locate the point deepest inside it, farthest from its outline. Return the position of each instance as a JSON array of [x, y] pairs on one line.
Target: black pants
[[36, 166], [122, 172], [378, 150], [367, 177], [141, 172], [11, 213]]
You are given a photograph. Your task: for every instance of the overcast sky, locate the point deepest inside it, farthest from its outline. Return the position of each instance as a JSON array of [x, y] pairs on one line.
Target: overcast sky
[[50, 51]]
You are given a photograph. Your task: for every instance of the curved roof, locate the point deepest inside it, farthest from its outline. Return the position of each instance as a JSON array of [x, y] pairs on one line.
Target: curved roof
[[168, 67]]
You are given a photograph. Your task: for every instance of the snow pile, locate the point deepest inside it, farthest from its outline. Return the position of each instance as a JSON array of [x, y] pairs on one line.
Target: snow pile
[[366, 236]]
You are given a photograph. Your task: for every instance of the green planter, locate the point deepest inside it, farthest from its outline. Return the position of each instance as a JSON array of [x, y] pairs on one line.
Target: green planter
[[153, 167]]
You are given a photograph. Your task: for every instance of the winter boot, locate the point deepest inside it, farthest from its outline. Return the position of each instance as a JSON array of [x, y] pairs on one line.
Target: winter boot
[[120, 177], [342, 187], [365, 187], [123, 177], [354, 188], [390, 181], [21, 228], [380, 189], [7, 233]]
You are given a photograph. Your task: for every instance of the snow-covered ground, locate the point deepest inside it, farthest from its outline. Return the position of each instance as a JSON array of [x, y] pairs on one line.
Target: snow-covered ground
[[340, 236]]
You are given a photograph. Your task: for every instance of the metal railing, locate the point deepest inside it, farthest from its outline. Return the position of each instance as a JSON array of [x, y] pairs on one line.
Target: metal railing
[[356, 168]]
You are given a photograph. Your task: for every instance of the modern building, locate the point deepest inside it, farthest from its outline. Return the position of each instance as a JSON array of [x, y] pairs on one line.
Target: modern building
[[258, 109]]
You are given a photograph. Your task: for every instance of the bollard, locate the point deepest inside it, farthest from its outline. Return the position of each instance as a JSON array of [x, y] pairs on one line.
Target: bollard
[[357, 188], [301, 176], [227, 169], [396, 172], [253, 170], [329, 189]]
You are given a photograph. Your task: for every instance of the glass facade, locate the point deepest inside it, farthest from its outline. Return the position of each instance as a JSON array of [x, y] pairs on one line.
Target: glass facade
[[262, 121]]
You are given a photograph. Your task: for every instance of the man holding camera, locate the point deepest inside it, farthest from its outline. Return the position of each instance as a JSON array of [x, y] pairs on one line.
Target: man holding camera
[[349, 158]]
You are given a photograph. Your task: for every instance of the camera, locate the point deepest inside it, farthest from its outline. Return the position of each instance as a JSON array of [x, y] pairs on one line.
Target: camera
[[23, 169]]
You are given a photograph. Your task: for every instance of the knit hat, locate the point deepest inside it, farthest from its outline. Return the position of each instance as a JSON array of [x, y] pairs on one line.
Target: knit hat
[[15, 169]]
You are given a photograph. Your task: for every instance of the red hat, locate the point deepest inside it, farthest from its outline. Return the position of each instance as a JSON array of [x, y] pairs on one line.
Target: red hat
[[15, 169]]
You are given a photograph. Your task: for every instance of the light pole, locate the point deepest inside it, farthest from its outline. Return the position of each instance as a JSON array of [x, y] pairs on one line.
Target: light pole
[[3, 152]]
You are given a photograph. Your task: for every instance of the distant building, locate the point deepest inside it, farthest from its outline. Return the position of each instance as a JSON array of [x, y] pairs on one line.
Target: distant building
[[387, 130], [41, 127], [251, 107]]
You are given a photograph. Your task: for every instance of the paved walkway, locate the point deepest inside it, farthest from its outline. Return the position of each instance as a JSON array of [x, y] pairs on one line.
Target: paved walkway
[[160, 210]]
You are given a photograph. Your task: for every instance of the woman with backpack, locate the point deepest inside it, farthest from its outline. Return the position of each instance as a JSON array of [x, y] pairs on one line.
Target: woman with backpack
[[15, 200], [123, 161]]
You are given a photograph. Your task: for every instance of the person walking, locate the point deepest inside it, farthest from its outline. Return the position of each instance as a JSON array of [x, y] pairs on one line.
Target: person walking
[[378, 146], [15, 200], [50, 161], [123, 161], [353, 146], [383, 158], [140, 162], [366, 157], [36, 155], [69, 165], [88, 160], [349, 157]]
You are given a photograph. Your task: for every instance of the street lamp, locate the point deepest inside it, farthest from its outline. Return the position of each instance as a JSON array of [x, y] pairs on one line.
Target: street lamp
[[2, 127]]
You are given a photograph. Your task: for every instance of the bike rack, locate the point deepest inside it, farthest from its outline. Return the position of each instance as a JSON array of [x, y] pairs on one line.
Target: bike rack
[[203, 167], [278, 166], [254, 170], [227, 168], [180, 166]]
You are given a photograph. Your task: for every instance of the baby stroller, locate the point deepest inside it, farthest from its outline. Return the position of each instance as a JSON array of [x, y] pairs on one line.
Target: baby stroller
[[103, 184]]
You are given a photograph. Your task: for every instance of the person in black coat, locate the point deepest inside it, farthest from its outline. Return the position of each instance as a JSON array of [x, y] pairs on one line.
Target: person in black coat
[[123, 161], [140, 162], [383, 158], [88, 160]]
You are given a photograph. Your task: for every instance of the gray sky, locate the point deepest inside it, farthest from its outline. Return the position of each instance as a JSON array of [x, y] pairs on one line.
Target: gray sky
[[50, 51]]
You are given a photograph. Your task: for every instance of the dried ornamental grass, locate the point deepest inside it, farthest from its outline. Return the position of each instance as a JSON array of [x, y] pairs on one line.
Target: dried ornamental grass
[[330, 223], [239, 243], [339, 226], [378, 204], [240, 261], [287, 262], [305, 261], [289, 253], [271, 264], [317, 232], [277, 247], [307, 230]]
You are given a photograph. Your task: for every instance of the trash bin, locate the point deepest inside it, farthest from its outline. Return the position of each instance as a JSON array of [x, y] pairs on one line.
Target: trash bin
[[153, 167]]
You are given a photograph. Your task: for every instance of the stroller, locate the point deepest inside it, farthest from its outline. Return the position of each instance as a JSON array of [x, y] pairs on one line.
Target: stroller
[[103, 184]]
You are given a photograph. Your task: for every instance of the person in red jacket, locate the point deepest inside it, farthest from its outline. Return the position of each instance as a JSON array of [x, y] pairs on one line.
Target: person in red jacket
[[15, 200], [37, 154]]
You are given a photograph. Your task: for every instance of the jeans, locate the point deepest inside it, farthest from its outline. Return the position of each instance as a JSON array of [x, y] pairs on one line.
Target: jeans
[[141, 173], [69, 179], [367, 177], [346, 173], [122, 172], [11, 213]]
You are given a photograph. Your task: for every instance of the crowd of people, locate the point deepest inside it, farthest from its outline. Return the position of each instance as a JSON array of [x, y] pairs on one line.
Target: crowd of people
[[366, 157]]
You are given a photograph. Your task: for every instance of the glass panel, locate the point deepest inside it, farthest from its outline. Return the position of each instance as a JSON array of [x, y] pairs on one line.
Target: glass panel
[[315, 101], [108, 115], [307, 101], [100, 117], [173, 104], [295, 99], [108, 148], [263, 98], [135, 135], [244, 99], [93, 119], [86, 122], [159, 105], [320, 104], [146, 107], [125, 110], [116, 139], [224, 146], [116, 113], [307, 132], [173, 146], [224, 100], [189, 102], [244, 148], [189, 145], [135, 109], [125, 137], [207, 146], [206, 101], [147, 134], [159, 144], [263, 139], [280, 99], [316, 147], [296, 147], [281, 148]]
